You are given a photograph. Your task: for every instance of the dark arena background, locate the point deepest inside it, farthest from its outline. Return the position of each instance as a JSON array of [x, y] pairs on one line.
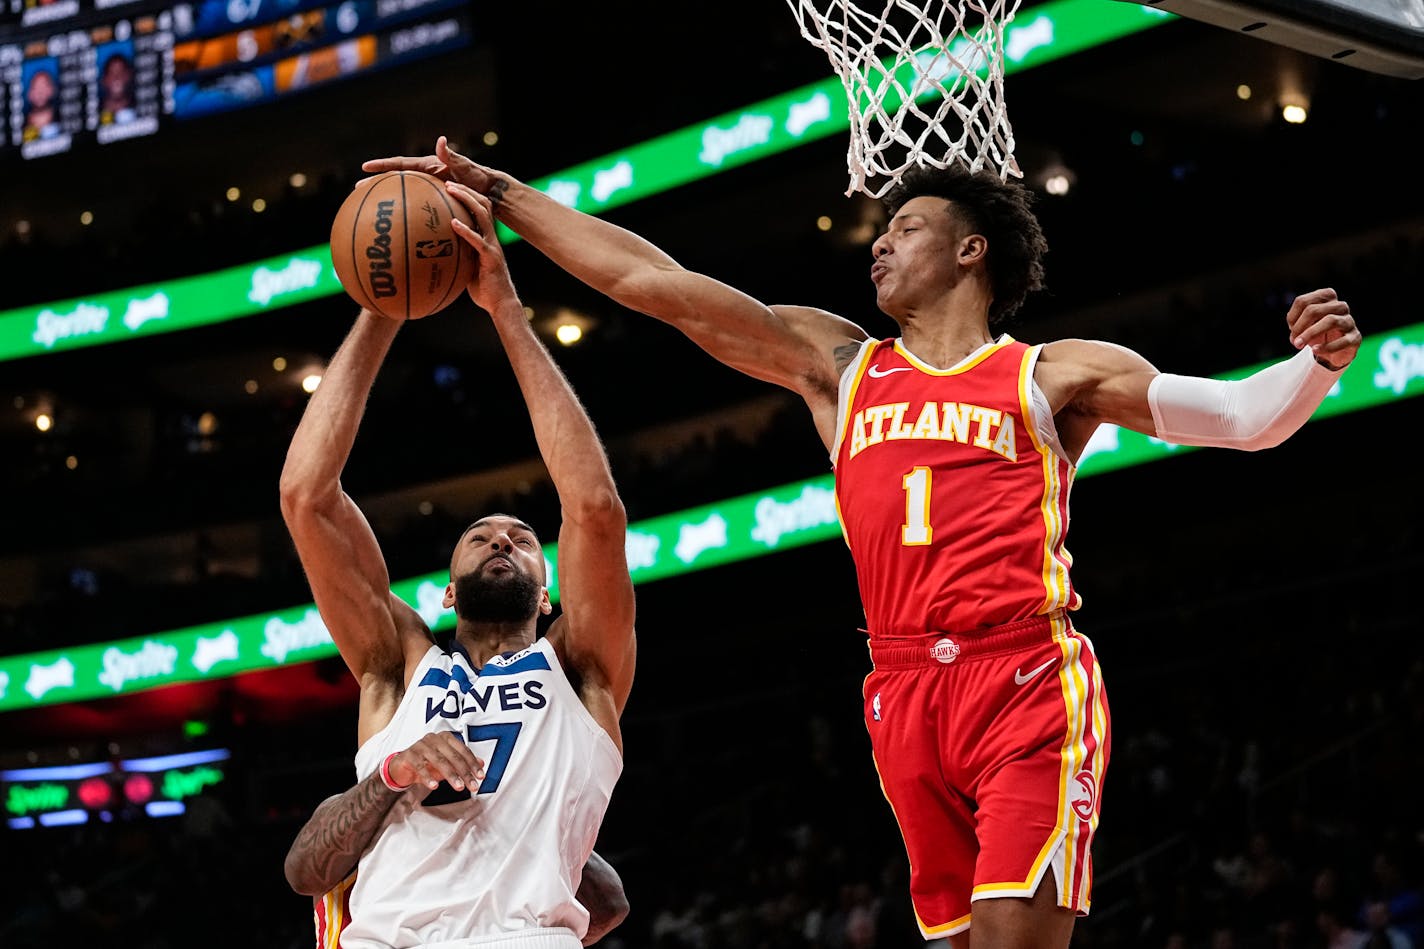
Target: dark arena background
[[170, 714]]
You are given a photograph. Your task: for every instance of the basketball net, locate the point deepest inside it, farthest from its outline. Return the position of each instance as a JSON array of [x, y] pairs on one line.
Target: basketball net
[[924, 81]]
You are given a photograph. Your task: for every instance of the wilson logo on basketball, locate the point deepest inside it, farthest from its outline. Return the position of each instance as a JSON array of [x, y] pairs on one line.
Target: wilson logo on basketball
[[378, 252]]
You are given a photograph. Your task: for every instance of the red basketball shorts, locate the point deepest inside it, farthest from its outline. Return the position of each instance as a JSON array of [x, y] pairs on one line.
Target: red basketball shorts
[[991, 748]]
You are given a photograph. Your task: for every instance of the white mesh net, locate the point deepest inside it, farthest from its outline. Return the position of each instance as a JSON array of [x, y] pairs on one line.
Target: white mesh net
[[924, 81]]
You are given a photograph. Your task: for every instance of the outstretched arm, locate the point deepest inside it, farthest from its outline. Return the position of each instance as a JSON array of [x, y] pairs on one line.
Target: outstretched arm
[[789, 346], [1112, 384], [337, 549], [1269, 406], [595, 632]]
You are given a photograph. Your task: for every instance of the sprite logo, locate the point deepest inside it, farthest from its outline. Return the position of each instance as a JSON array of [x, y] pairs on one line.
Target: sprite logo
[[85, 319], [153, 659], [267, 285]]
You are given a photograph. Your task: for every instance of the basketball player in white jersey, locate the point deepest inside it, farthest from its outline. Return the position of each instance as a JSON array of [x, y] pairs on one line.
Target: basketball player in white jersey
[[490, 855], [322, 860]]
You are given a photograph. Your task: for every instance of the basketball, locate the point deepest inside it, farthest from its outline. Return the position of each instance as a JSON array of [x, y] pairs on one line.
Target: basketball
[[394, 250]]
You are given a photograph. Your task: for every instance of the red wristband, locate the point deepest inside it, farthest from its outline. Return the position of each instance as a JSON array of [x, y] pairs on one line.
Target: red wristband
[[386, 774]]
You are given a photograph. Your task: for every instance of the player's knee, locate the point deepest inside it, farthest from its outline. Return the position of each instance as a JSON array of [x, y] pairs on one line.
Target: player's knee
[[1037, 922]]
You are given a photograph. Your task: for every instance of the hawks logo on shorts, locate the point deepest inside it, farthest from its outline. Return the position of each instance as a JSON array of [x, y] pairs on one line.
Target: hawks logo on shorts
[[1083, 796]]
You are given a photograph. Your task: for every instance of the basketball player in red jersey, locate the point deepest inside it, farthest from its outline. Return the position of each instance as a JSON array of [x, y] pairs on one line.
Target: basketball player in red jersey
[[954, 449]]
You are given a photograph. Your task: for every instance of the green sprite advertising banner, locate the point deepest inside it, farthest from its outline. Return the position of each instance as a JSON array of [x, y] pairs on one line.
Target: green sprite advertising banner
[[173, 305]]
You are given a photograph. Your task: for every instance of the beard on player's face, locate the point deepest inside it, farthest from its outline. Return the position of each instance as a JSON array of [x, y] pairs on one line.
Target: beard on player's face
[[483, 596]]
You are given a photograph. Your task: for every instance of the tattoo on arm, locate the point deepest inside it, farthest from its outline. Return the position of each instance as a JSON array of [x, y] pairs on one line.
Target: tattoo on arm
[[496, 192], [332, 841], [845, 355]]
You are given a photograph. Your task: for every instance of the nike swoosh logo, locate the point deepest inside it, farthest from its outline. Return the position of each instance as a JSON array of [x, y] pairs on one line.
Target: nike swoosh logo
[[1021, 679], [875, 372]]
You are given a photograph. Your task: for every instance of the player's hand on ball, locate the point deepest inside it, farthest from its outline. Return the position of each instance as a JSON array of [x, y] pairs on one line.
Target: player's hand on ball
[[439, 756], [491, 284], [1321, 320], [446, 164]]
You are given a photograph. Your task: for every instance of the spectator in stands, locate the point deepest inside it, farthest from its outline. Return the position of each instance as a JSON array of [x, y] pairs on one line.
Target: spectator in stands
[[1383, 934], [1333, 923], [1400, 897]]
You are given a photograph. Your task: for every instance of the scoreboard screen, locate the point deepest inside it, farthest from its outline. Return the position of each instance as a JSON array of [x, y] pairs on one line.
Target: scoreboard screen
[[81, 73], [104, 791]]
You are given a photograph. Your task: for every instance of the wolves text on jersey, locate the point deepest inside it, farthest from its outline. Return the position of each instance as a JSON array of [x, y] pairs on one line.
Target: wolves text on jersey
[[959, 422], [490, 690]]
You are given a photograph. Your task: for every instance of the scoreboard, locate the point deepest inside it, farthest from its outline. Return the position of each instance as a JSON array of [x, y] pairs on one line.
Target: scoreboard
[[104, 791], [81, 73]]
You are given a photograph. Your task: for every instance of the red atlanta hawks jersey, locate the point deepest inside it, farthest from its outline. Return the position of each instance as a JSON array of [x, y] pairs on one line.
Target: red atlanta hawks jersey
[[950, 492]]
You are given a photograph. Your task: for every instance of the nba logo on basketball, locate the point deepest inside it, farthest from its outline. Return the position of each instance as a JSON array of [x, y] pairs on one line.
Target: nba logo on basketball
[[427, 249]]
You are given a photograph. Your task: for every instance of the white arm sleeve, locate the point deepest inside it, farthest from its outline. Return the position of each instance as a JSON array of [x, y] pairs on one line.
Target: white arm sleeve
[[1260, 411]]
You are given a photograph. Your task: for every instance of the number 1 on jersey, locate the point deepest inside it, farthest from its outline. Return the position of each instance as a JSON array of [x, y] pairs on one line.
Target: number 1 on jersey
[[917, 531]]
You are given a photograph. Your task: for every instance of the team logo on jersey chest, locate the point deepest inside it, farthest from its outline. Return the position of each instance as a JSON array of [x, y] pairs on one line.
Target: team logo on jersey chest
[[494, 688], [958, 422]]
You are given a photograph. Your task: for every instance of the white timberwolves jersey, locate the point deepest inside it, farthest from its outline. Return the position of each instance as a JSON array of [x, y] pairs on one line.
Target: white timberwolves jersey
[[506, 858]]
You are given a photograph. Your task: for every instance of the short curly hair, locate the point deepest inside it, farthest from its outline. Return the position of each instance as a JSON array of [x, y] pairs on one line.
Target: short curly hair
[[1000, 210]]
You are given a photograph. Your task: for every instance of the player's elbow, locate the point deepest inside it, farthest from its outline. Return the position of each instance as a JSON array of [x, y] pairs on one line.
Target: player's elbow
[[300, 877], [606, 917], [301, 497], [598, 509], [294, 492], [1237, 440], [617, 910], [1258, 434], [1259, 441]]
